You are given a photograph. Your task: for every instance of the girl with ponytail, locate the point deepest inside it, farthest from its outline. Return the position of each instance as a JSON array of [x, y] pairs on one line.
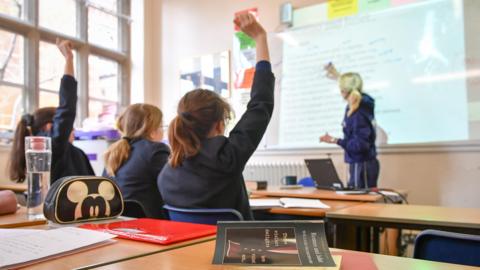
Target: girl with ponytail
[[358, 130], [56, 123], [205, 168], [135, 160]]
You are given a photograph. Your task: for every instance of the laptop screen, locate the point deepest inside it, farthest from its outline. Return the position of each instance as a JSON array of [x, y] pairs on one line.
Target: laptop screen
[[323, 173]]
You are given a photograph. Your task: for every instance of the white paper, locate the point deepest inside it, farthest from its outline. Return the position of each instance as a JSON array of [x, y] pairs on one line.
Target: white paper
[[6, 233], [41, 244], [287, 203], [302, 203], [264, 203]]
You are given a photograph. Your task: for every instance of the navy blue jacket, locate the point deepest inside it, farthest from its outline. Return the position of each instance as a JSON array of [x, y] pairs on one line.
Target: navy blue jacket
[[359, 132], [137, 177], [67, 160], [213, 178]]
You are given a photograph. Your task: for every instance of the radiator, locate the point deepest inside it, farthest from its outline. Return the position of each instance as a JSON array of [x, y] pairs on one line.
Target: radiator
[[273, 172]]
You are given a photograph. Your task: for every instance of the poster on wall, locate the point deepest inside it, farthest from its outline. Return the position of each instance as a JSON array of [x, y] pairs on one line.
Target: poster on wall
[[211, 72]]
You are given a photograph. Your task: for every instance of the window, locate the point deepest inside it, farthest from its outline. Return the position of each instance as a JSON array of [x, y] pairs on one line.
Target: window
[[102, 25], [11, 78], [50, 72], [59, 16], [99, 30], [12, 8], [103, 88]]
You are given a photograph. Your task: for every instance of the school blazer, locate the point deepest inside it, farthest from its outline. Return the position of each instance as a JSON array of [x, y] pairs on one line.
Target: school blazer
[[213, 178]]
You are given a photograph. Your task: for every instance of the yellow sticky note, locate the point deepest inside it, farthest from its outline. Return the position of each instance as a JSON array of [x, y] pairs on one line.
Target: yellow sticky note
[[342, 8]]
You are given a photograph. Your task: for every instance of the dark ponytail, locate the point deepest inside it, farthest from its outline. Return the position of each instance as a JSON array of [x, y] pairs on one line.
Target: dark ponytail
[[29, 125], [198, 112]]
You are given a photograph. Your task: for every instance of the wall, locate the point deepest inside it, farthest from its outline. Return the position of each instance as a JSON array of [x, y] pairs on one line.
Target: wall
[[434, 176]]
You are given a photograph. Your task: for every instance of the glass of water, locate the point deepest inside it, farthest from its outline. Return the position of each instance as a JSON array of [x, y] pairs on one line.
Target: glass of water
[[38, 154]]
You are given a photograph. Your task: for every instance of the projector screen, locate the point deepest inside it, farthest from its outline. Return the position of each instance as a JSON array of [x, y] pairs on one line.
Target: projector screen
[[419, 61]]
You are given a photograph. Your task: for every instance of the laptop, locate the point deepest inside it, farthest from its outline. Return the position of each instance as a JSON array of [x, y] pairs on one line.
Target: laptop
[[325, 176]]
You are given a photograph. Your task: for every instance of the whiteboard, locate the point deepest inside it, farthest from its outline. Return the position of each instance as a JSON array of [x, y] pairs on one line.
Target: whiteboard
[[420, 61]]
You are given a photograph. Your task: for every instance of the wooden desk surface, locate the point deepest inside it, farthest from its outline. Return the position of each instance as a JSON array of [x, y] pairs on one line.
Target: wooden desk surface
[[200, 257], [19, 219], [313, 193], [119, 250], [411, 214], [312, 212], [15, 187]]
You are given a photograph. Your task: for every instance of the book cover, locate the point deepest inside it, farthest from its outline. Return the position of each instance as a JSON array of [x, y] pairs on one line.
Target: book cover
[[279, 243], [157, 231]]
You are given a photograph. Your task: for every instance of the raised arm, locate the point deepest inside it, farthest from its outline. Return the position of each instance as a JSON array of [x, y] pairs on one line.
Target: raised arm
[[65, 47], [248, 132], [66, 111]]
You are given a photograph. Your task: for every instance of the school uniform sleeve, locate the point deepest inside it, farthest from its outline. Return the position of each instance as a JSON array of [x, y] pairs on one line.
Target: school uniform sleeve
[[358, 142], [65, 114], [159, 159], [247, 134]]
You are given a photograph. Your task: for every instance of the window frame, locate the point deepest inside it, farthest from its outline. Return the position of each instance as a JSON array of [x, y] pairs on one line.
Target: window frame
[[33, 34]]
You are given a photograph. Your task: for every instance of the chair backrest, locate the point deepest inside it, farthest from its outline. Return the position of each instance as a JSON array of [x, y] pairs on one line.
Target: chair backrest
[[203, 215], [134, 209], [306, 182], [448, 247]]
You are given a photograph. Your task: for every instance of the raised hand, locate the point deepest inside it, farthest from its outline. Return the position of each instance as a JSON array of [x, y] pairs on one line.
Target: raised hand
[[249, 25], [65, 47], [332, 72]]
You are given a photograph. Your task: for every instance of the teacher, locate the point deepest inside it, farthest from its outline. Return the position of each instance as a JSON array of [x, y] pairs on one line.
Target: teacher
[[358, 130]]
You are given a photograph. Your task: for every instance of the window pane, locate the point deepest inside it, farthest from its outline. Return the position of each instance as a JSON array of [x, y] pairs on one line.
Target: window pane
[[11, 57], [58, 15], [48, 99], [14, 8], [107, 4], [103, 112], [103, 79], [10, 106], [52, 65], [102, 28]]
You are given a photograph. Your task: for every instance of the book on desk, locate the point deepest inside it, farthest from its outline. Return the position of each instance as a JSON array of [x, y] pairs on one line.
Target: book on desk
[[156, 231]]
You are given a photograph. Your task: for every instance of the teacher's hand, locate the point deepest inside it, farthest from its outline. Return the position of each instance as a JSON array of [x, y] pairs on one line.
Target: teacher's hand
[[328, 139], [332, 72]]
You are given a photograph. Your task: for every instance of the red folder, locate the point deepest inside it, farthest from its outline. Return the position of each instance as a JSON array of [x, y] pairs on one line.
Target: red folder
[[157, 231]]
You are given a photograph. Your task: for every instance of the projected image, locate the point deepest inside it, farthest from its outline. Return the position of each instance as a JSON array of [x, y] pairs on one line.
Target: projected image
[[412, 61]]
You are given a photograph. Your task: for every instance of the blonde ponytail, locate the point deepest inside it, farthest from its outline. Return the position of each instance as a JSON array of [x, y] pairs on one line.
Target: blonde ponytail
[[354, 99], [116, 155], [138, 121]]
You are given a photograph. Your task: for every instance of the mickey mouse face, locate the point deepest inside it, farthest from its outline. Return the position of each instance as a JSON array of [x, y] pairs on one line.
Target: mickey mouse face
[[90, 205]]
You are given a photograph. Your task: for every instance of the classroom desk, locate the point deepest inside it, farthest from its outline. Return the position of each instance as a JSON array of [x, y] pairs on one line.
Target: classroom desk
[[415, 217], [19, 219], [314, 212], [15, 187], [119, 250], [314, 193], [200, 257]]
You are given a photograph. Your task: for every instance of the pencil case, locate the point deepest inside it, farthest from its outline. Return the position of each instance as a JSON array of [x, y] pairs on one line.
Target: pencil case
[[75, 199]]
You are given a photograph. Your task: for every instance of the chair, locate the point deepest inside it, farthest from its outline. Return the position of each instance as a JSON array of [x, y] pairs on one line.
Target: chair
[[307, 182], [448, 247], [202, 215], [132, 208]]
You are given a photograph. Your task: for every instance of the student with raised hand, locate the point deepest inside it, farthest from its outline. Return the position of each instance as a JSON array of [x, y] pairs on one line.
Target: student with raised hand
[[56, 123], [358, 130], [205, 168], [135, 161]]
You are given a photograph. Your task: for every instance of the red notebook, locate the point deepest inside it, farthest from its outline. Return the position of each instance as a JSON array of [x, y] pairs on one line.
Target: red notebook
[[157, 231]]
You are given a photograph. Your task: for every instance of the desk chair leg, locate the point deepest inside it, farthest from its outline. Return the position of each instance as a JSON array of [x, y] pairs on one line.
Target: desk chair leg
[[334, 235], [375, 240]]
